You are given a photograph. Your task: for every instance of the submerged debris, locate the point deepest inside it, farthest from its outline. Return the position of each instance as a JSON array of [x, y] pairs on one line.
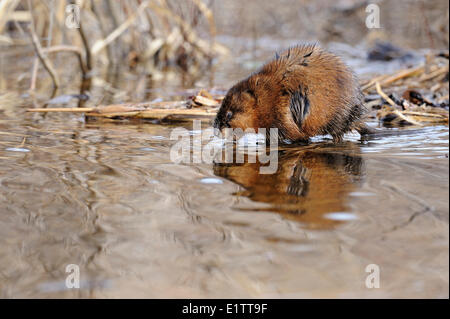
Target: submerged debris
[[415, 96]]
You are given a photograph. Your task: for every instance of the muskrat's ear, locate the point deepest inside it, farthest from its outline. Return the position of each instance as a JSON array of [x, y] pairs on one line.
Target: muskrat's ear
[[299, 63], [250, 91], [303, 61], [249, 95]]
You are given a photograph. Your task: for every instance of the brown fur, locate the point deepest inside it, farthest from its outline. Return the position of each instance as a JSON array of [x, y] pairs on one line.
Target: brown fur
[[303, 92]]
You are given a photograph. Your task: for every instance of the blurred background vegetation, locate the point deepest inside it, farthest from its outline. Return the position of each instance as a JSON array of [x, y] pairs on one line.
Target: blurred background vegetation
[[407, 23], [166, 38]]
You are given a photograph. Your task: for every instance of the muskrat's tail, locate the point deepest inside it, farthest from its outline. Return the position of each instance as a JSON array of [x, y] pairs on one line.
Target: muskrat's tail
[[363, 129], [368, 132]]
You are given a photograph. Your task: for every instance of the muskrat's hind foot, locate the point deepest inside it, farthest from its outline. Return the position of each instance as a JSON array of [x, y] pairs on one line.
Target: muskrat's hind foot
[[363, 129]]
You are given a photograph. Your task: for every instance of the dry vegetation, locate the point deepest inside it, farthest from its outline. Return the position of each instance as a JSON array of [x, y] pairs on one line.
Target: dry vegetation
[[157, 33], [414, 96]]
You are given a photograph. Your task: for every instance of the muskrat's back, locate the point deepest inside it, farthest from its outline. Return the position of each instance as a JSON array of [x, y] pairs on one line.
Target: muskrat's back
[[303, 92]]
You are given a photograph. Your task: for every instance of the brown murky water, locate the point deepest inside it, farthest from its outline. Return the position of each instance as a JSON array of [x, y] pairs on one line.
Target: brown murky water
[[106, 197]]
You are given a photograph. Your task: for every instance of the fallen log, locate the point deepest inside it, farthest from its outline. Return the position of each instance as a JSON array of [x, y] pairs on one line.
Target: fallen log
[[134, 111]]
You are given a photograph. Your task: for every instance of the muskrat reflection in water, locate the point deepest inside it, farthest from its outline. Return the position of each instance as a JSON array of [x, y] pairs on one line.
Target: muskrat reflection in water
[[307, 185]]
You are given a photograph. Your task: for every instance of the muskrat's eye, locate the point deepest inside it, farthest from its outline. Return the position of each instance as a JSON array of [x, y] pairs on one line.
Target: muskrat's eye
[[228, 116]]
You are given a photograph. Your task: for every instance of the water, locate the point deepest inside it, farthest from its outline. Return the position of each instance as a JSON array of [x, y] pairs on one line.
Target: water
[[106, 197]]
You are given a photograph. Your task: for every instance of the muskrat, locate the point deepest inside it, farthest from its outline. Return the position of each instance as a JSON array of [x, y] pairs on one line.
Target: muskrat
[[305, 91]]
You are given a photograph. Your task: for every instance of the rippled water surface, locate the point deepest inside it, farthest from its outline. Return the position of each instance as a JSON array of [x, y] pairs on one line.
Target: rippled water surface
[[107, 197]]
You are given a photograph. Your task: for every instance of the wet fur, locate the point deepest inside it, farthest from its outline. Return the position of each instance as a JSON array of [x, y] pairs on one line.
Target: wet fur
[[305, 91]]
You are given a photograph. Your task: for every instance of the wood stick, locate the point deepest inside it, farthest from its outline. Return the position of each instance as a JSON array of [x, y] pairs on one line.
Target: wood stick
[[201, 100], [424, 114], [43, 58], [384, 95], [87, 50], [394, 78], [372, 82], [70, 48], [403, 74], [34, 74], [99, 45], [434, 74], [114, 110], [405, 118], [63, 109]]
